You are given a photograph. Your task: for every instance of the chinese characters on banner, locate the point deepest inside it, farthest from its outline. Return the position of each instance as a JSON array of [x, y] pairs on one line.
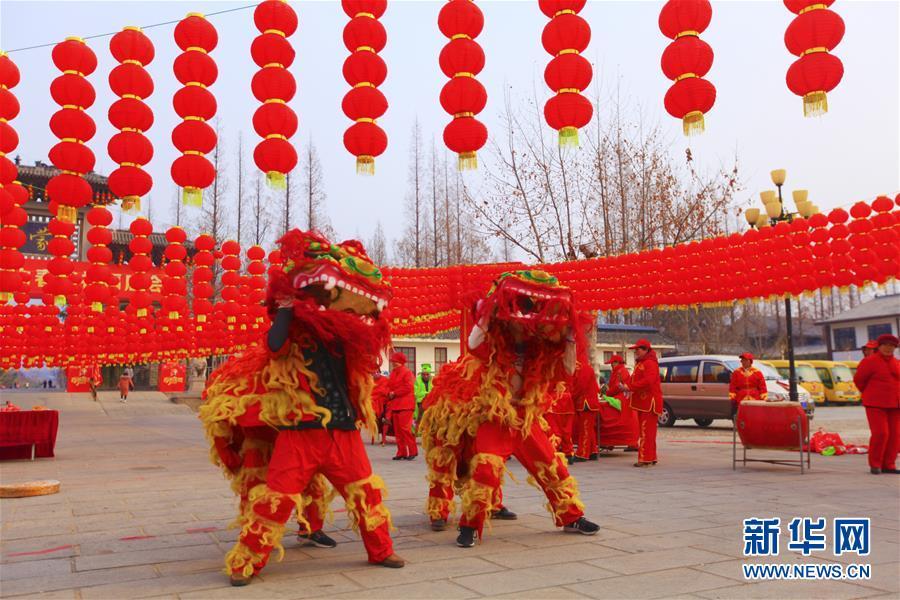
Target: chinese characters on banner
[[172, 376]]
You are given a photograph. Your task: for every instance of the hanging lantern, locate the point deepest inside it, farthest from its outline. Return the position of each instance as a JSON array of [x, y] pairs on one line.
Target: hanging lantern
[[686, 61], [274, 85], [811, 36], [130, 148], [99, 255], [463, 97], [195, 104], [68, 191], [364, 36], [9, 139], [565, 37]]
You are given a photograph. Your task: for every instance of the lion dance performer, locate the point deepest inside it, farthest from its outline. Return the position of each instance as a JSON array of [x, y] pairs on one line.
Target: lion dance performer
[[311, 383], [489, 406]]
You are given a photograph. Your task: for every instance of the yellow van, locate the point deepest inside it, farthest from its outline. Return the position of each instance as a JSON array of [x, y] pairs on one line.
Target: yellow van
[[806, 377], [851, 364], [838, 381]]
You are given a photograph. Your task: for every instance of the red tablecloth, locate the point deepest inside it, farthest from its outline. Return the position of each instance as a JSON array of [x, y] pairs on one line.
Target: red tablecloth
[[617, 428], [26, 427]]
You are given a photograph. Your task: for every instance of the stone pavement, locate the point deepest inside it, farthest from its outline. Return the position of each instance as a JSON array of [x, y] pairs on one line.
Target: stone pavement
[[142, 513]]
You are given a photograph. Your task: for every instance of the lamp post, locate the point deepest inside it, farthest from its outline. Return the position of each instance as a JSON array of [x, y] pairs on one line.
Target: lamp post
[[775, 213]]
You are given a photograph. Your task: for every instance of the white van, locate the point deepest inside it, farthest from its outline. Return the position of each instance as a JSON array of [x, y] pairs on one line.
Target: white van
[[696, 387]]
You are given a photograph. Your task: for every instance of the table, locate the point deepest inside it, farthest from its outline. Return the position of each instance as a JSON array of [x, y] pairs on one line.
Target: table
[[28, 433]]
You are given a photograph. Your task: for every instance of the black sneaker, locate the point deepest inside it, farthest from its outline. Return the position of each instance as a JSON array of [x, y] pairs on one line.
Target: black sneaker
[[582, 526], [317, 538], [875, 471], [570, 459], [466, 537], [578, 459], [439, 525], [594, 456], [504, 514], [411, 457], [399, 458]]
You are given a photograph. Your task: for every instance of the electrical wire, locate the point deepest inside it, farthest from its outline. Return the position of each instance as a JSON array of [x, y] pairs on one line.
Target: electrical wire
[[103, 35]]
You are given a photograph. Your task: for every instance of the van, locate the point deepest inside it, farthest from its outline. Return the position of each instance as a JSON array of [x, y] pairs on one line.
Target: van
[[806, 376], [696, 387], [851, 364], [838, 382]]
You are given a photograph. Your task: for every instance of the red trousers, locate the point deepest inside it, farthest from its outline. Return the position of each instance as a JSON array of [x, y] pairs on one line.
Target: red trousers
[[406, 441], [297, 457], [492, 446], [884, 443], [586, 433], [561, 430], [646, 436]]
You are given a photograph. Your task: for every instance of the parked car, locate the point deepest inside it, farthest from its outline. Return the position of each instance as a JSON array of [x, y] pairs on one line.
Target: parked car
[[851, 364], [806, 376], [838, 382], [696, 387]]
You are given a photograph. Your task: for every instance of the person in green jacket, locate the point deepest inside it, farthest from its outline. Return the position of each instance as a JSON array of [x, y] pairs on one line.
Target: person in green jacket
[[422, 387]]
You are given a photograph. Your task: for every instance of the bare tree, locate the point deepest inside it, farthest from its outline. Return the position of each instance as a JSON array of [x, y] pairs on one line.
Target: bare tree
[[287, 200], [314, 193], [214, 212], [377, 246], [412, 246], [261, 218]]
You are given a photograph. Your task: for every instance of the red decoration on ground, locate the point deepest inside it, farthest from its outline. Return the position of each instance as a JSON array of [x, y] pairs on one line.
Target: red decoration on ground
[[811, 36], [463, 97], [274, 86], [130, 148], [195, 104], [364, 37], [686, 61], [565, 37]]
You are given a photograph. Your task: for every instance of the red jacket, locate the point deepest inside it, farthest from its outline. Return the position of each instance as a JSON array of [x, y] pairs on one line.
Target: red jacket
[[400, 384], [646, 391], [878, 378], [617, 379], [749, 384], [585, 389]]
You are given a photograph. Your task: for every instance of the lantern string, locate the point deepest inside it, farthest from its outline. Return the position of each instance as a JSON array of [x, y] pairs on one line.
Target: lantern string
[[111, 33]]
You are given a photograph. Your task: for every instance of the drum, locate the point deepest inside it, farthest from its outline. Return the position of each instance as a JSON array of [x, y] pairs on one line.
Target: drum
[[773, 425]]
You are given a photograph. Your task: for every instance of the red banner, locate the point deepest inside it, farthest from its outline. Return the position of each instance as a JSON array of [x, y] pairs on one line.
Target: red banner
[[78, 378], [37, 268], [172, 377]]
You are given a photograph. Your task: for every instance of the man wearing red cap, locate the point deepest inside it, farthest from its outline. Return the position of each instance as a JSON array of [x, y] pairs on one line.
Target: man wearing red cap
[[401, 404], [585, 396], [618, 388], [746, 382], [869, 348], [646, 399], [878, 379]]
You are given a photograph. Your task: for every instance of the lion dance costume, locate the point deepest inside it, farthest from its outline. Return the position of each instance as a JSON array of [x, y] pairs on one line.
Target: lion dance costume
[[489, 406], [285, 415]]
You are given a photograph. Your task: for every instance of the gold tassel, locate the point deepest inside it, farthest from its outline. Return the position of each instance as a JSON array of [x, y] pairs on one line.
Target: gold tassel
[[131, 204], [815, 104], [67, 214], [276, 180], [59, 300], [568, 136], [467, 161], [365, 165], [97, 306], [192, 196], [693, 124]]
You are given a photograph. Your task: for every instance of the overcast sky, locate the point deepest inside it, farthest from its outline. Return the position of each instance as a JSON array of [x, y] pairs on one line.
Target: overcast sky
[[848, 155]]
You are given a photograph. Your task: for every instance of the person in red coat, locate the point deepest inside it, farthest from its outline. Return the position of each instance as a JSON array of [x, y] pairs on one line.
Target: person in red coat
[[646, 399], [585, 396], [748, 382], [561, 419], [401, 404], [618, 388], [869, 348], [878, 379]]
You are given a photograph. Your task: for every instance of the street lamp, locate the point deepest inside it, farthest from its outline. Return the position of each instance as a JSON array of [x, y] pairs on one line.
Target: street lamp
[[775, 213]]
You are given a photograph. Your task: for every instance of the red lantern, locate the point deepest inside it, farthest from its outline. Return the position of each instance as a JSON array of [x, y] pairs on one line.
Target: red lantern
[[96, 290], [463, 97], [68, 191], [565, 37], [811, 36], [11, 235], [686, 61], [130, 148], [196, 71], [364, 36], [274, 86]]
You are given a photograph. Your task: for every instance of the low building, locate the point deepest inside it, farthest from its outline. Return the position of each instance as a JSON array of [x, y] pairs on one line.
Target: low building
[[437, 350], [846, 332], [615, 338]]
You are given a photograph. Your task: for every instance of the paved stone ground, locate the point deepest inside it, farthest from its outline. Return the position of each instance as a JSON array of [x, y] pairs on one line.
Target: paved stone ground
[[142, 513]]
